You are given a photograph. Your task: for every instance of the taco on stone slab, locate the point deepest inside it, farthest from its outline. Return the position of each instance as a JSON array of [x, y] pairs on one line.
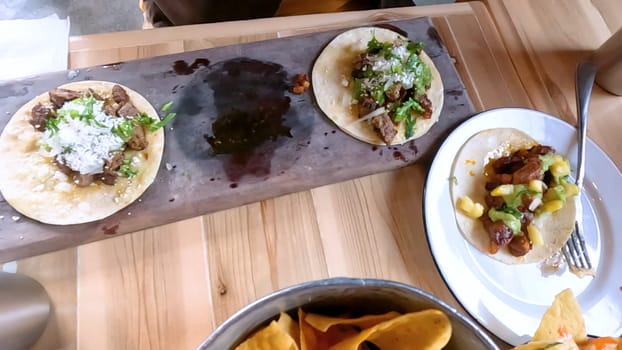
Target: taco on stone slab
[[378, 86], [80, 152]]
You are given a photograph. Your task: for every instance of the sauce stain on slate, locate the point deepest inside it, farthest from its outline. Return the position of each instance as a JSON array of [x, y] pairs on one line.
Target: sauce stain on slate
[[250, 122], [181, 67], [112, 230]]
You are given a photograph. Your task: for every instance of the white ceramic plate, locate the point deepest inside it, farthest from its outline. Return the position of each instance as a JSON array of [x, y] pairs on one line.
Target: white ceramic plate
[[509, 300]]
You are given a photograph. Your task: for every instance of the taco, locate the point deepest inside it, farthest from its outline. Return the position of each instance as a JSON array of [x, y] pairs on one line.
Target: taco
[[512, 196], [80, 152], [378, 86]]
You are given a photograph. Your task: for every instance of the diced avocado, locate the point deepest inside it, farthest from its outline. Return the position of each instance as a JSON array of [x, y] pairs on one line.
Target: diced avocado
[[547, 160], [515, 199], [508, 219]]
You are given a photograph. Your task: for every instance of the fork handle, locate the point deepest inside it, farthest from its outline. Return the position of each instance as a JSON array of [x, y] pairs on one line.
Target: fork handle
[[586, 72]]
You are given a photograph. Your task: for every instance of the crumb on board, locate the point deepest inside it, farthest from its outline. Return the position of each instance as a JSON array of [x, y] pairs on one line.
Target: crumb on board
[[301, 83]]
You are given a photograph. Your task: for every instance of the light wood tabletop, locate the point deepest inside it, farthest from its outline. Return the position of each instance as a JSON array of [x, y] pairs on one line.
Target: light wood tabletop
[[169, 287]]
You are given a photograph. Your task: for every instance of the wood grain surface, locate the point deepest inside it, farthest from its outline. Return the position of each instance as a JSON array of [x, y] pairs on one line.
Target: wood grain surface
[[167, 288]]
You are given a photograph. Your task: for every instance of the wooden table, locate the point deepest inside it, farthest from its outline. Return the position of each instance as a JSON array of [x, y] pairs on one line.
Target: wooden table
[[167, 288]]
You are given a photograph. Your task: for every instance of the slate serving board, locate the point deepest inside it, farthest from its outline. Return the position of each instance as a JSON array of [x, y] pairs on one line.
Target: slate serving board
[[214, 91]]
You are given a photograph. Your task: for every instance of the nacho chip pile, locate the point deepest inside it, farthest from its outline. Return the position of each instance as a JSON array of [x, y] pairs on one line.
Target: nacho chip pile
[[423, 330]]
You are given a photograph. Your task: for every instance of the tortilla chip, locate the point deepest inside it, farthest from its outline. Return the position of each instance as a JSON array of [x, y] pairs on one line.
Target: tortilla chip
[[323, 323], [289, 326], [562, 317], [272, 337], [314, 339], [423, 330]]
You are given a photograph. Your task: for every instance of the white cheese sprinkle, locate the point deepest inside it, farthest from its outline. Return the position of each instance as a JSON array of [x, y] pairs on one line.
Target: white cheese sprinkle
[[81, 144]]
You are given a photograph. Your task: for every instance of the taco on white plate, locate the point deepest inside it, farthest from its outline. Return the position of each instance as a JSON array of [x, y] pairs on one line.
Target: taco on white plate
[[512, 196]]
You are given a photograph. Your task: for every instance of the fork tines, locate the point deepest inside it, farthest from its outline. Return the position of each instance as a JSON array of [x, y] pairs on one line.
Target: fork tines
[[576, 254]]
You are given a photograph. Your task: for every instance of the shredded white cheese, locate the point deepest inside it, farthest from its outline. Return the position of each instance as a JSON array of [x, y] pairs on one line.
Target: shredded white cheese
[[387, 76], [80, 144]]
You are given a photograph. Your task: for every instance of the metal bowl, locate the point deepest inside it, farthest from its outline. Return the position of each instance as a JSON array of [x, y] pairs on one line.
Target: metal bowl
[[342, 295]]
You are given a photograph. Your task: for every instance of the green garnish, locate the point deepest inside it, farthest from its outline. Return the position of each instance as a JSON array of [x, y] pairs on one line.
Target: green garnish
[[509, 216], [453, 180], [376, 47], [125, 130], [154, 124], [390, 66], [423, 75], [414, 47], [167, 106], [403, 113], [52, 125], [163, 122], [126, 169], [515, 199]]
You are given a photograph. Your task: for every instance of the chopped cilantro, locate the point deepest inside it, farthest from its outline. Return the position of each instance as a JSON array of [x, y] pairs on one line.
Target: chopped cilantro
[[414, 47], [453, 180], [126, 169], [423, 75], [124, 130], [154, 124], [409, 126], [52, 124], [403, 113], [163, 122], [378, 95], [144, 119], [167, 106]]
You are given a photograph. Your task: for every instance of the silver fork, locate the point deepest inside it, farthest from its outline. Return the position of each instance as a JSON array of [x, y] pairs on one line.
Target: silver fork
[[574, 250]]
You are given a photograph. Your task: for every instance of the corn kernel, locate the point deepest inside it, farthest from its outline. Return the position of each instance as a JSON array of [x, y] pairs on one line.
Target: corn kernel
[[534, 235], [502, 190], [552, 206], [478, 210], [559, 169], [536, 185], [571, 189]]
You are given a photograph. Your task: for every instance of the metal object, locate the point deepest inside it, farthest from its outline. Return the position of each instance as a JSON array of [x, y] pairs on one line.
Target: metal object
[[574, 251], [345, 294], [608, 61], [24, 311]]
